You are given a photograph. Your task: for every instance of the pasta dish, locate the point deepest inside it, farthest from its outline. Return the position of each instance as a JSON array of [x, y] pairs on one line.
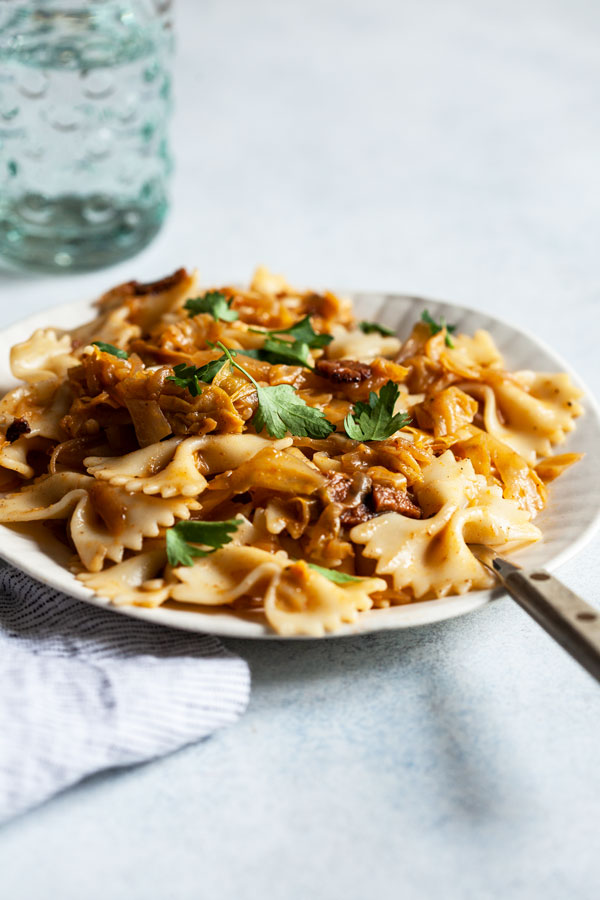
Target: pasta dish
[[262, 451]]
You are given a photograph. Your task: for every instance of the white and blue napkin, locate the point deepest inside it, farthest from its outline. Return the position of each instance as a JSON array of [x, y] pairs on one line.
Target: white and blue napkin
[[83, 689]]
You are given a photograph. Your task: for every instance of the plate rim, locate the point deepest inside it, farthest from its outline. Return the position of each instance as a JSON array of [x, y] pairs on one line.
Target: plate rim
[[229, 626]]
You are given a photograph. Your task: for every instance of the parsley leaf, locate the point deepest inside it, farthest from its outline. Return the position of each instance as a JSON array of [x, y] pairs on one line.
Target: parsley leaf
[[436, 327], [276, 351], [304, 337], [207, 372], [334, 575], [182, 537], [302, 331], [280, 409], [375, 327], [215, 303], [108, 348], [187, 377], [375, 420], [244, 351]]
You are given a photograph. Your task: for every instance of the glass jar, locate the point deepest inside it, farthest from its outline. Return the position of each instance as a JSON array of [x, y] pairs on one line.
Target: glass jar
[[85, 97]]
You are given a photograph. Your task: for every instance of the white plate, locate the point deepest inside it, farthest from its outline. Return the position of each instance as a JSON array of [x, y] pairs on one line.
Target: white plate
[[567, 523]]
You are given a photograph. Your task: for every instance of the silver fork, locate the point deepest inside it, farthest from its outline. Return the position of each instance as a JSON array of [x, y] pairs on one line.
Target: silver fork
[[572, 622]]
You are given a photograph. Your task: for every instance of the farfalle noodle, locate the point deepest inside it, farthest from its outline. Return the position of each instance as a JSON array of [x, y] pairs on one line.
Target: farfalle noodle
[[102, 523], [431, 556], [297, 600], [44, 356]]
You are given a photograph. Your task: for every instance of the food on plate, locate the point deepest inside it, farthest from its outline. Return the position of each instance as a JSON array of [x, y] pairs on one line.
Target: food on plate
[[262, 451]]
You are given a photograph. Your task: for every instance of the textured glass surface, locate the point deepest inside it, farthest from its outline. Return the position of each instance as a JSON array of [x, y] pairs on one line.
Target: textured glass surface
[[84, 104]]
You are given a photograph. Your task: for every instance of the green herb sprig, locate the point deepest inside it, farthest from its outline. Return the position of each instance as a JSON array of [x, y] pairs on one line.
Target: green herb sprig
[[109, 348], [436, 327], [334, 575], [301, 331], [280, 409], [182, 538], [375, 420], [187, 377], [275, 351], [375, 328], [213, 302]]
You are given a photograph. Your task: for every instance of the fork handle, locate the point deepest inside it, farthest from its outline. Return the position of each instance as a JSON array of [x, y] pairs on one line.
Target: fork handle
[[572, 622]]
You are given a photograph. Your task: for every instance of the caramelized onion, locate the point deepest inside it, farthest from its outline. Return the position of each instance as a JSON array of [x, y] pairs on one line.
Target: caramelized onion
[[108, 505], [148, 420]]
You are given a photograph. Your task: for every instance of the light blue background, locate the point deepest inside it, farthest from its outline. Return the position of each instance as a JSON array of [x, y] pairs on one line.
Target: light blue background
[[442, 148]]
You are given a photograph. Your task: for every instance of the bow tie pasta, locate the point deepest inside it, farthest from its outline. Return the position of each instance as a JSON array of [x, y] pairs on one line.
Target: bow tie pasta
[[260, 451]]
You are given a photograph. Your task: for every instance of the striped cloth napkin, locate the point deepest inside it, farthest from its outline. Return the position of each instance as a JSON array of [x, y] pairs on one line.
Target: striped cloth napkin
[[83, 689]]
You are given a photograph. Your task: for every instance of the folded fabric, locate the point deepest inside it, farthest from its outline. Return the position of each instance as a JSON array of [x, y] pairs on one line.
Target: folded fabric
[[83, 689]]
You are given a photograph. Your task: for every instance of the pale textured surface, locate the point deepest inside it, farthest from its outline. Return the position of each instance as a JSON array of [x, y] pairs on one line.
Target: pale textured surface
[[439, 148]]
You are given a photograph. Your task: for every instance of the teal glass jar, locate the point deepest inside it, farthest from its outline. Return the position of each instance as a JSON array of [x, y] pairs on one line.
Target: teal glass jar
[[85, 97]]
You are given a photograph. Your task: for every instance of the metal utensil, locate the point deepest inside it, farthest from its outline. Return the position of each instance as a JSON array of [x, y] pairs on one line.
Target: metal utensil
[[572, 622]]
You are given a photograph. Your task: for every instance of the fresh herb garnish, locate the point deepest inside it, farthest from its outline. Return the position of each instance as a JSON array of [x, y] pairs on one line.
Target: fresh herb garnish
[[280, 409], [244, 351], [375, 420], [182, 538], [186, 377], [375, 328], [334, 575], [189, 376], [301, 331], [215, 303], [108, 348], [436, 327], [207, 372], [294, 352], [276, 351]]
